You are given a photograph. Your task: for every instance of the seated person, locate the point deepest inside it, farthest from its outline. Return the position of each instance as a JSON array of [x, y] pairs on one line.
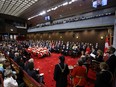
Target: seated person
[[27, 63], [34, 74], [67, 48], [9, 81], [1, 68], [99, 56], [11, 54], [74, 47], [96, 59], [74, 50], [83, 54]]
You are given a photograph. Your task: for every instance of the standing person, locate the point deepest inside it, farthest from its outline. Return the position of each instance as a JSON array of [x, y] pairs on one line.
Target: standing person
[[111, 60], [60, 73], [79, 75], [112, 63], [104, 77]]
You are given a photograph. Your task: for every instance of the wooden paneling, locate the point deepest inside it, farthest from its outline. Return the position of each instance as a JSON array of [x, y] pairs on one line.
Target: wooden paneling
[[86, 36], [6, 24], [13, 18]]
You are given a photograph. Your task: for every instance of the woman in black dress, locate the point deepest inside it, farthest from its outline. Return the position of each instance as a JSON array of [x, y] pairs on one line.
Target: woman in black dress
[[104, 77]]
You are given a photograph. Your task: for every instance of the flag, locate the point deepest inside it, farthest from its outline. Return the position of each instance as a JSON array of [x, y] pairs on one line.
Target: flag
[[106, 47]]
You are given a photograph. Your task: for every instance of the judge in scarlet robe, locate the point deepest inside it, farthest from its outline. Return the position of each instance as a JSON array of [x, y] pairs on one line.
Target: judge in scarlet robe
[[79, 74]]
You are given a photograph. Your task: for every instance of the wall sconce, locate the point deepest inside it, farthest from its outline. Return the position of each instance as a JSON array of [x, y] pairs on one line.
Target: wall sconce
[[49, 36], [11, 29], [77, 37], [60, 36], [40, 36], [102, 37]]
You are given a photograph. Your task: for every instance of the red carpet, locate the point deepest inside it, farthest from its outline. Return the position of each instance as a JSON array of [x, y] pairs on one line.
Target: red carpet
[[47, 64]]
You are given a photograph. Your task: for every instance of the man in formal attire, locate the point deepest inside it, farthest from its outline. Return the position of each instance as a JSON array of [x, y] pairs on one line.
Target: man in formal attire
[[112, 63], [60, 73], [74, 50], [111, 60]]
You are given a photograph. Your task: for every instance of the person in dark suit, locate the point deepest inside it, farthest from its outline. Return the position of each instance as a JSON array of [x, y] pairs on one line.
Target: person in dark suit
[[60, 73], [32, 72], [112, 60], [104, 78]]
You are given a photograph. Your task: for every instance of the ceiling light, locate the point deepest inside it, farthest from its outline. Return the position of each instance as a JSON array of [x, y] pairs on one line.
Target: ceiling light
[[30, 3], [11, 29], [77, 37], [48, 10], [66, 3], [73, 0], [58, 6], [42, 13], [33, 1], [70, 2], [54, 8], [102, 37]]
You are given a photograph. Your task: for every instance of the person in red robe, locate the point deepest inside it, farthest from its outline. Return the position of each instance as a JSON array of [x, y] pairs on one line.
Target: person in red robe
[[79, 74]]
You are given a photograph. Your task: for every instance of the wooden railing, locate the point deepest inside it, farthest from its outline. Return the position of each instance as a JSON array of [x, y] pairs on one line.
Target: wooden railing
[[1, 80]]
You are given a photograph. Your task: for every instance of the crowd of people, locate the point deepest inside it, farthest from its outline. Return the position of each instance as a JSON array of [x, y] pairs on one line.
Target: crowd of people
[[72, 49], [11, 78], [105, 71], [17, 50]]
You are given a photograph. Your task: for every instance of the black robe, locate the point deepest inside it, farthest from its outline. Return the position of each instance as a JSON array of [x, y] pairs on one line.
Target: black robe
[[112, 63], [104, 79], [59, 76]]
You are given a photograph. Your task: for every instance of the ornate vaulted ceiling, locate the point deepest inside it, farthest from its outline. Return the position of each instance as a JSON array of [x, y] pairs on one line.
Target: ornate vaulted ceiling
[[25, 8], [28, 8]]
